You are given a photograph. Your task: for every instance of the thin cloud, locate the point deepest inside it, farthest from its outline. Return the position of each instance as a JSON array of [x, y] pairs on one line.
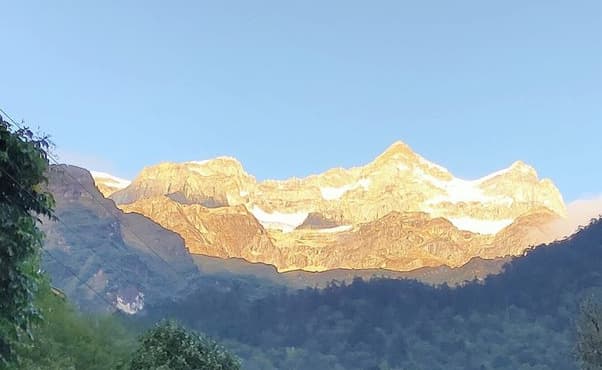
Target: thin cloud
[[583, 210], [580, 213]]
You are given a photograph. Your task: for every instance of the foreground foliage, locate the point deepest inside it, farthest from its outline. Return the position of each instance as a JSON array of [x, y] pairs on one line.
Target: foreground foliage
[[38, 329], [67, 339], [23, 162]]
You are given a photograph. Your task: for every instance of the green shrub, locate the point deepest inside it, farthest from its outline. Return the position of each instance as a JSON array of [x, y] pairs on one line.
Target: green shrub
[[170, 346]]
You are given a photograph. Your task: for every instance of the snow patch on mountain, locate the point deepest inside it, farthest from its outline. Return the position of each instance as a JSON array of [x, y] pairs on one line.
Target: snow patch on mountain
[[336, 229], [492, 175], [207, 161], [199, 163], [111, 180], [286, 222], [133, 307], [459, 190]]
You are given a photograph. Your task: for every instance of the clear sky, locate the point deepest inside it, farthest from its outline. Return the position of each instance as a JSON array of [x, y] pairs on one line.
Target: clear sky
[[295, 87]]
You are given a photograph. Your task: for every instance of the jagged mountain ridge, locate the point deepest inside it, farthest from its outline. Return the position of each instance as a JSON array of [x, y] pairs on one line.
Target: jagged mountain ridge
[[355, 214], [397, 180]]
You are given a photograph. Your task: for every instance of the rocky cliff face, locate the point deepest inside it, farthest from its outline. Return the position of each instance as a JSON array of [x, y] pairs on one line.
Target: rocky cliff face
[[126, 257], [221, 232], [398, 212]]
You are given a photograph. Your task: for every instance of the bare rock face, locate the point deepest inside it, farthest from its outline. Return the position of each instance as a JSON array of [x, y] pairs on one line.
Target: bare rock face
[[221, 232], [398, 241], [398, 212]]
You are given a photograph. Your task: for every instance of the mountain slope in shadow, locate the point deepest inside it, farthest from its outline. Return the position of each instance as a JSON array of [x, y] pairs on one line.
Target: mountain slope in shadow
[[128, 259]]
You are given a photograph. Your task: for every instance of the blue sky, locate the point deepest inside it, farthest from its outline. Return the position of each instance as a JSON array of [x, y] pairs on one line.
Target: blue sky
[[293, 88]]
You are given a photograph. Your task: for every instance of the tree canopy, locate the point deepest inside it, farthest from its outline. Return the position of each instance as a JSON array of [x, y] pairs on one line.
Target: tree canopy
[[170, 346], [23, 164], [589, 334]]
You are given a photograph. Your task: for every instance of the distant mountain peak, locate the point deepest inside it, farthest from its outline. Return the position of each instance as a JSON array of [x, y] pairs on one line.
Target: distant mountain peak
[[400, 156], [398, 147], [397, 151], [523, 167]]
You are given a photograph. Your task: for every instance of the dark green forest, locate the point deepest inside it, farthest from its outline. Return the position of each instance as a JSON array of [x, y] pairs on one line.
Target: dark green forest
[[523, 318]]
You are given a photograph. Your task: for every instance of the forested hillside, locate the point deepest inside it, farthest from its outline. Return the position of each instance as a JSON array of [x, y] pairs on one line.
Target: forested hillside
[[520, 319]]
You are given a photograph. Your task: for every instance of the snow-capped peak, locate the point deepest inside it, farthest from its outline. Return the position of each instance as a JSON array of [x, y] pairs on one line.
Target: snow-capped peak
[[114, 181]]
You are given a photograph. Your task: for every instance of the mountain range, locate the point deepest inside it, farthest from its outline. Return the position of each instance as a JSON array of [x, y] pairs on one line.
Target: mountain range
[[98, 253], [399, 212], [149, 272]]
